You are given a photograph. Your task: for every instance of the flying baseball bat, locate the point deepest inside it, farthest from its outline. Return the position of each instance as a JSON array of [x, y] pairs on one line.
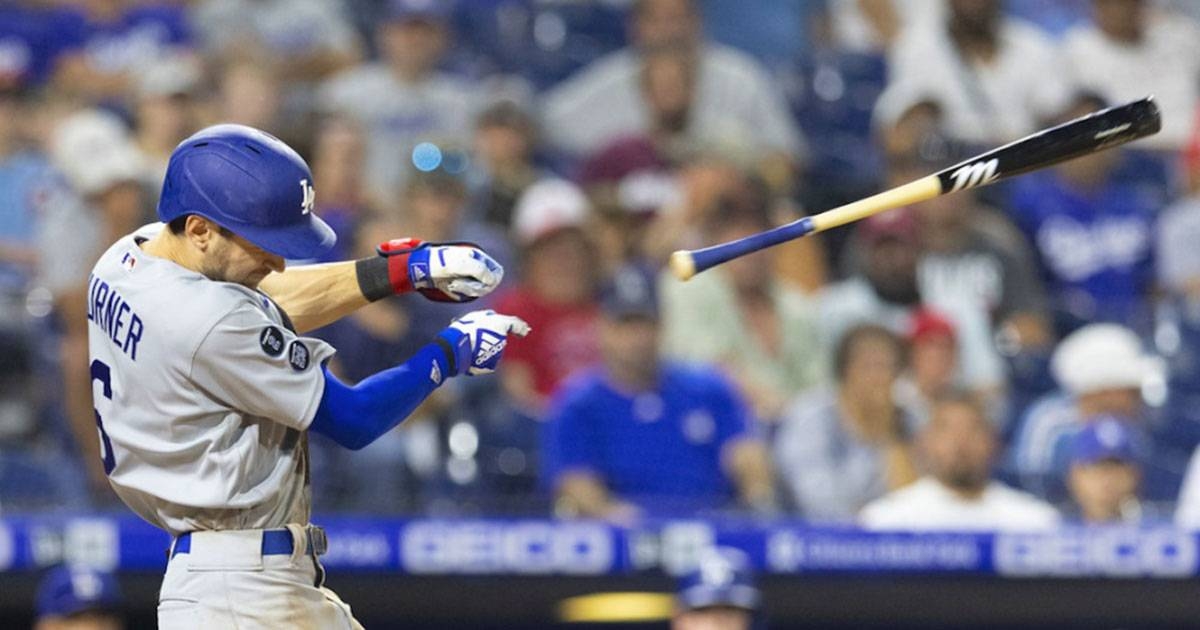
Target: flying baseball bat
[[1088, 134]]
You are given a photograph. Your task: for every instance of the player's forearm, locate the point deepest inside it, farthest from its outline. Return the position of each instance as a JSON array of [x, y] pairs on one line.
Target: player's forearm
[[356, 416], [316, 295]]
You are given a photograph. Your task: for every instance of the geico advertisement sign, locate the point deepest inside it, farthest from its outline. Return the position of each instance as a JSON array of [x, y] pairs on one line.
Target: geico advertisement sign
[[1115, 552], [518, 547]]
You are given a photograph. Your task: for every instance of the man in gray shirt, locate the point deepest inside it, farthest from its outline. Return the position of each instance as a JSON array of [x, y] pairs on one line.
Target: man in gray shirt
[[402, 100]]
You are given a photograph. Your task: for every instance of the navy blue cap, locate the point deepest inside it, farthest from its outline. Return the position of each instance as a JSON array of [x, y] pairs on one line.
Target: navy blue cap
[[1104, 437], [435, 10], [631, 292], [67, 591], [722, 578]]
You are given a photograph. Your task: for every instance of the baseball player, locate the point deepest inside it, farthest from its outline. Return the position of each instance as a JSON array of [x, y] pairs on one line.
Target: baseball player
[[205, 391], [719, 594]]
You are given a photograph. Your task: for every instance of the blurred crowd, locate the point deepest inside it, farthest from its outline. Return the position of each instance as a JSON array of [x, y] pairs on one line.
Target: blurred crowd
[[1017, 356]]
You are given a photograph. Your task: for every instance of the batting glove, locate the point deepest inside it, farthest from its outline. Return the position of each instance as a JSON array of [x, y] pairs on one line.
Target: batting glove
[[443, 272], [478, 340]]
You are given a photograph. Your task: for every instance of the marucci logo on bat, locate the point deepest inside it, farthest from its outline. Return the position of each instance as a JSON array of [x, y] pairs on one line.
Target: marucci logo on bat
[[973, 175]]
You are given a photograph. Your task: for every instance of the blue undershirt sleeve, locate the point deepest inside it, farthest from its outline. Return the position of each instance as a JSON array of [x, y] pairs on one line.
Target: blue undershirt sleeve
[[356, 416]]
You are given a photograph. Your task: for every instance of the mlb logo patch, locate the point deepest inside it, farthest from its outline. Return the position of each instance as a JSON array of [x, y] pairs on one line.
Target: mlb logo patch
[[128, 261]]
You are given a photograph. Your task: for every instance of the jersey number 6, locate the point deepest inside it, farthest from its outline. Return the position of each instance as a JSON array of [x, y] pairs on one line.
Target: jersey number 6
[[101, 372]]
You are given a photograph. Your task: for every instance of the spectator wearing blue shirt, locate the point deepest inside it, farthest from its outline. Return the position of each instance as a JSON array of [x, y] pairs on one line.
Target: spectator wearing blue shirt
[[1093, 234], [28, 49], [643, 434], [105, 45]]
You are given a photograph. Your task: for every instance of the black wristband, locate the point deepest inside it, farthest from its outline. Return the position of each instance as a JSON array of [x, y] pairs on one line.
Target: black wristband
[[373, 278], [451, 357]]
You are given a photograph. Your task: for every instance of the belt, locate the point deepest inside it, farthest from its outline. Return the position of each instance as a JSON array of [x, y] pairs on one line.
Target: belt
[[275, 542]]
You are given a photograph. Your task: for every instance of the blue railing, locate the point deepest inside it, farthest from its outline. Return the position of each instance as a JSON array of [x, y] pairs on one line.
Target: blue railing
[[584, 548]]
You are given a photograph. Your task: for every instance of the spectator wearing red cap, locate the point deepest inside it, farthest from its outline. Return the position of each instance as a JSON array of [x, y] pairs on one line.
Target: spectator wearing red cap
[[932, 363], [630, 183], [557, 292]]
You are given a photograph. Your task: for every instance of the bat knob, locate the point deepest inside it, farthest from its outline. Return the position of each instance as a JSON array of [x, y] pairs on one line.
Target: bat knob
[[682, 265]]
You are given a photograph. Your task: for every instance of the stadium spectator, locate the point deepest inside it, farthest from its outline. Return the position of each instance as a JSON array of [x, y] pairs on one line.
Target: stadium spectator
[[1176, 256], [975, 270], [1092, 233], [556, 293], [999, 75], [717, 94], [304, 40], [932, 364], [79, 598], [1187, 508], [166, 111], [105, 170], [719, 594], [872, 26], [642, 434], [506, 162], [958, 447], [1101, 370], [763, 332], [338, 161], [106, 44], [840, 448], [248, 93], [1105, 472], [881, 288], [400, 471], [28, 49], [402, 99], [631, 184], [1113, 56], [27, 184]]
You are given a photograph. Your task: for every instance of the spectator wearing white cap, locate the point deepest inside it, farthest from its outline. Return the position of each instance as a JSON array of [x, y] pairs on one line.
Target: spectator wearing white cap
[[1101, 369], [101, 164], [556, 293], [958, 446]]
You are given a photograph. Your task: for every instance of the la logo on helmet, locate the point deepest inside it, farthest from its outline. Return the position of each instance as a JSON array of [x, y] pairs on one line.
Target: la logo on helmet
[[310, 196]]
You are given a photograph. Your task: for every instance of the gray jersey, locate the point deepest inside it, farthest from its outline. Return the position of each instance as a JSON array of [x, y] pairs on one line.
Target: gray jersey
[[202, 394]]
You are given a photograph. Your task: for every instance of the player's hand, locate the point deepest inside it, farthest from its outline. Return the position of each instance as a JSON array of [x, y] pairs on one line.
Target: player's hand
[[444, 272], [479, 339]]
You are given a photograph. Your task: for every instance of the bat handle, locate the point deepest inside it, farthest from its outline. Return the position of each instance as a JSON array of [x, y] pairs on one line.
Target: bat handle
[[685, 264]]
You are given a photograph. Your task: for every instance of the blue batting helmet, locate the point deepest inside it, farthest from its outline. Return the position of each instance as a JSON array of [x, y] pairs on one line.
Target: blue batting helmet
[[722, 578], [66, 591], [249, 182]]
